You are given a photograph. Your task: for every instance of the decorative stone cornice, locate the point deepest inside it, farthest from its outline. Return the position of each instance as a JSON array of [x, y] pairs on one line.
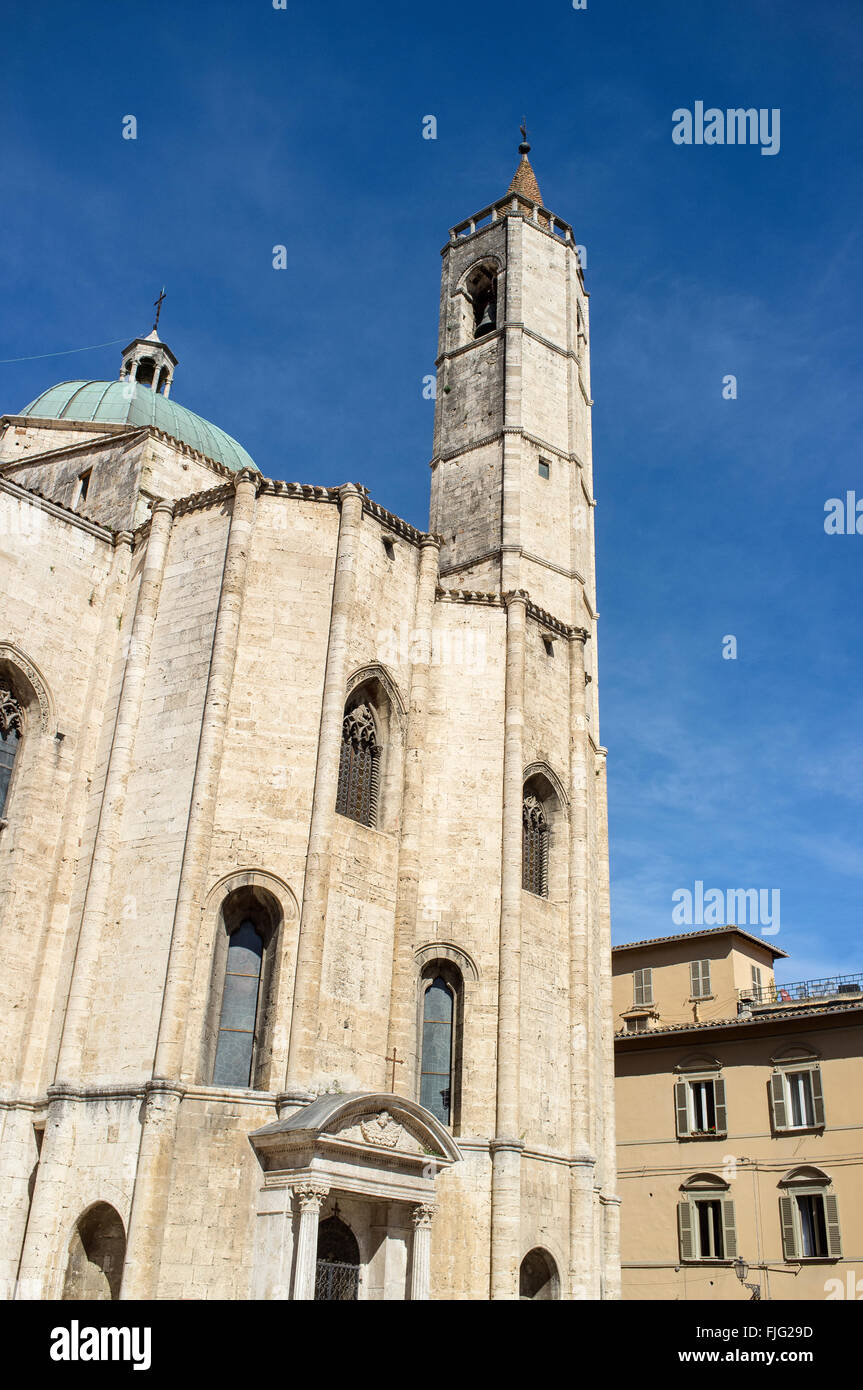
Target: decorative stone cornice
[[519, 327], [494, 435], [56, 509], [395, 523], [200, 501], [468, 596], [306, 492]]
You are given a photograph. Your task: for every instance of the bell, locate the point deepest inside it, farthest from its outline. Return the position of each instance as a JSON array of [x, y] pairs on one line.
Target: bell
[[486, 323]]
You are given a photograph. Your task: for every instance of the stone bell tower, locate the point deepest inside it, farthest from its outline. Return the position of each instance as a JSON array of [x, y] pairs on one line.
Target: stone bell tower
[[512, 488], [512, 499]]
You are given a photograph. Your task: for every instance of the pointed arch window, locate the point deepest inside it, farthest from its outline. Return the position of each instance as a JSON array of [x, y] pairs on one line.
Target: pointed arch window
[[10, 740], [534, 860], [359, 767]]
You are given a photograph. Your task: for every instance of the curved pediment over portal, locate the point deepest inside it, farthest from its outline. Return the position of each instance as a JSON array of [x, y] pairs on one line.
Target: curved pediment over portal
[[377, 1121]]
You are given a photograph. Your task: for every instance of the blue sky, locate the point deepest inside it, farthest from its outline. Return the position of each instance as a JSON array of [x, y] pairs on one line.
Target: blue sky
[[303, 127]]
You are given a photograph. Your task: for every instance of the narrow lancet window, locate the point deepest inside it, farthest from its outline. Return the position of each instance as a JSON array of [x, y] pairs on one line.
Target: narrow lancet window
[[534, 860], [235, 1050], [357, 794], [437, 1054]]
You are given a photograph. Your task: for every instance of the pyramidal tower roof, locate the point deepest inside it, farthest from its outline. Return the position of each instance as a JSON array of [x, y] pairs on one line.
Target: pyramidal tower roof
[[524, 179]]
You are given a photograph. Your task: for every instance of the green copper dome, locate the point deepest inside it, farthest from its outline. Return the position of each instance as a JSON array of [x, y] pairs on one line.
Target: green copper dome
[[118, 403]]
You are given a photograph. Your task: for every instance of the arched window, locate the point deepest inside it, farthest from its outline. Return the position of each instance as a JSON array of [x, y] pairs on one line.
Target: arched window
[[440, 1064], [10, 739], [337, 1272], [481, 286], [538, 1277], [359, 767], [534, 846], [236, 1048], [97, 1251]]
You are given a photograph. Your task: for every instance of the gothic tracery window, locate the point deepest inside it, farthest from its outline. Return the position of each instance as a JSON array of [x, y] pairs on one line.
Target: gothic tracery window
[[10, 738], [534, 859], [357, 793]]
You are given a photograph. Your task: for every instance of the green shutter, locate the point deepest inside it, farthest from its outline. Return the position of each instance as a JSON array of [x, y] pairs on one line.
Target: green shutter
[[694, 979], [817, 1095], [789, 1233], [681, 1109], [777, 1101], [729, 1230], [684, 1230], [720, 1107], [831, 1216]]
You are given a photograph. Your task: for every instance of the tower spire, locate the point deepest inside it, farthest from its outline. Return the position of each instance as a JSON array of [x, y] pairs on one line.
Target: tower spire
[[524, 179]]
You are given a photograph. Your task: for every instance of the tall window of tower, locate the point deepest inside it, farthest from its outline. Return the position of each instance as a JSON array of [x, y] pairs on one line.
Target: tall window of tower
[[441, 1002], [10, 739], [359, 766], [534, 846]]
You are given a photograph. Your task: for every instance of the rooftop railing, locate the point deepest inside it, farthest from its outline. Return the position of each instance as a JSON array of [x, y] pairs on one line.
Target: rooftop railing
[[836, 987], [513, 202]]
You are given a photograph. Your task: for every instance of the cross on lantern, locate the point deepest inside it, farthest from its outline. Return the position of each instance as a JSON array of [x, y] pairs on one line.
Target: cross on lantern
[[157, 305]]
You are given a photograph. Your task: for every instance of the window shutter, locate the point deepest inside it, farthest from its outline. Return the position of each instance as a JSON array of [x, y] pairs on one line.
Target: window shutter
[[705, 977], [720, 1107], [729, 1230], [789, 1234], [777, 1101], [681, 1108], [684, 1230], [817, 1095], [694, 978], [831, 1216]]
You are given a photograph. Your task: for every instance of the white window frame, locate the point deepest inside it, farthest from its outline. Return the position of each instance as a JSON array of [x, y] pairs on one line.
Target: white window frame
[[796, 1194], [799, 1091], [722, 1233], [693, 1129]]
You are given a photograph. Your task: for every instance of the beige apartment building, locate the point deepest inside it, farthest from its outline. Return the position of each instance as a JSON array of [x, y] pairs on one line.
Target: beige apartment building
[[739, 1122]]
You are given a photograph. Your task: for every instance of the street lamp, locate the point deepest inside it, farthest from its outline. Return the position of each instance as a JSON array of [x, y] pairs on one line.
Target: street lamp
[[741, 1269]]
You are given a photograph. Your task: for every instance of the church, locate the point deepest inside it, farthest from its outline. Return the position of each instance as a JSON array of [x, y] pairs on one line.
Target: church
[[306, 986]]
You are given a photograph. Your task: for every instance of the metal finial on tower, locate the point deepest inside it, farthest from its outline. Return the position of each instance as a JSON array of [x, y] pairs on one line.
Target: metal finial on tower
[[157, 304], [524, 147]]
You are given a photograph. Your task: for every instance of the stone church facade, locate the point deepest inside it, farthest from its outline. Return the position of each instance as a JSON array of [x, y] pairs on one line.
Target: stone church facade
[[306, 986]]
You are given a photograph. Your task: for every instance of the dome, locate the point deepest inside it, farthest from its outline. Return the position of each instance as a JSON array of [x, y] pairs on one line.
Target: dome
[[121, 403]]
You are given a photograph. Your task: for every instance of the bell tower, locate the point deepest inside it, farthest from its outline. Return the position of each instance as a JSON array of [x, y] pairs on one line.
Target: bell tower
[[512, 492]]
